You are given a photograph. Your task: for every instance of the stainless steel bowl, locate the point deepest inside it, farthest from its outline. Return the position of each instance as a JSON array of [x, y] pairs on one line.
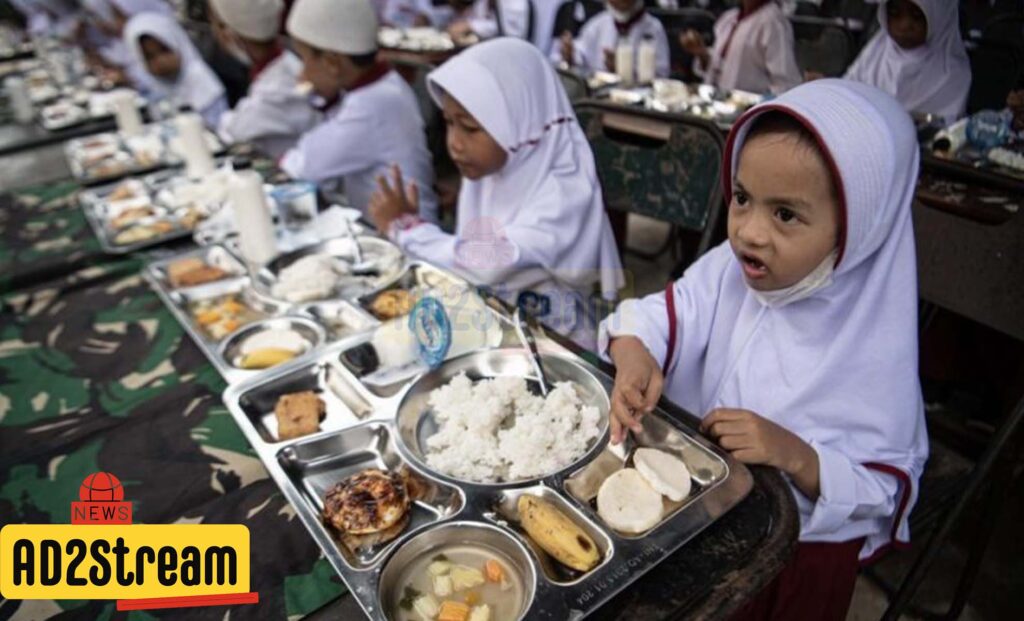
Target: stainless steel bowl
[[415, 421], [492, 539], [311, 331]]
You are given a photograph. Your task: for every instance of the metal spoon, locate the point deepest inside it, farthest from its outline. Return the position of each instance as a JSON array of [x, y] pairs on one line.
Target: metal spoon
[[359, 266], [530, 343]]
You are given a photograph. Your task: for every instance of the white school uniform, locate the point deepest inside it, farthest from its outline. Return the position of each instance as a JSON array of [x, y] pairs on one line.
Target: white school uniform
[[834, 362], [272, 115], [196, 85], [600, 34], [513, 22], [934, 78], [753, 53], [536, 230], [374, 126]]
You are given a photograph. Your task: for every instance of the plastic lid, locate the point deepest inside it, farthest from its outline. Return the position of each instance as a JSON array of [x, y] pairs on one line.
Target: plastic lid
[[432, 328]]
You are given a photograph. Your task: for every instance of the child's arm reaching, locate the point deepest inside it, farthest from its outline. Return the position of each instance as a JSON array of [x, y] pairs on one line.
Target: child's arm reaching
[[752, 439], [638, 385]]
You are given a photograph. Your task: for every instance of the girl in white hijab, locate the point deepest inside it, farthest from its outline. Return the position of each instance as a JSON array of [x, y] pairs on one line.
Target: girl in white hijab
[[796, 340], [176, 69], [531, 223], [918, 57]]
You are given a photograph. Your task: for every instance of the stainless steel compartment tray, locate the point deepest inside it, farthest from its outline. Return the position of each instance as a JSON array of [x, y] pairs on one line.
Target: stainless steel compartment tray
[[347, 443]]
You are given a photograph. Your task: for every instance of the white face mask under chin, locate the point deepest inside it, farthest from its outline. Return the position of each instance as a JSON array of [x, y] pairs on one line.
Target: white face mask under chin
[[624, 16], [819, 278]]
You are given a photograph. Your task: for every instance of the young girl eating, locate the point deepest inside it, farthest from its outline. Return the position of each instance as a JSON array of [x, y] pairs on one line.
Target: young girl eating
[[796, 340], [918, 57], [176, 69], [530, 223]]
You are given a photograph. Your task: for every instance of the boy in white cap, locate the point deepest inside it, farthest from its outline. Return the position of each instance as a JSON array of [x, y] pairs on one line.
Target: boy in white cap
[[273, 114], [378, 123]]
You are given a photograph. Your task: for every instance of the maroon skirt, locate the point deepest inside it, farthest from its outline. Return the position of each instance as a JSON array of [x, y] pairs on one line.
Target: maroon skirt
[[817, 584]]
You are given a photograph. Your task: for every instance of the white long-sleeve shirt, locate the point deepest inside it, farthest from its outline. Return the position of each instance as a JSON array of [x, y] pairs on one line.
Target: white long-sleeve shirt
[[760, 57], [272, 115], [373, 127]]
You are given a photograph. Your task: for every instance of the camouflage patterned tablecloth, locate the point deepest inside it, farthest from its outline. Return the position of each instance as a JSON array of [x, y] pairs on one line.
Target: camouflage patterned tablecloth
[[96, 375]]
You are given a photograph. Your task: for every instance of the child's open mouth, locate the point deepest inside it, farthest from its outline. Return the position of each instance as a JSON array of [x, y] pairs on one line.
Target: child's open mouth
[[753, 268]]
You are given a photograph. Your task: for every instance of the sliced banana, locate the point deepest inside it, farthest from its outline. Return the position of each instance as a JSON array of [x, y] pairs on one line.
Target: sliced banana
[[557, 534]]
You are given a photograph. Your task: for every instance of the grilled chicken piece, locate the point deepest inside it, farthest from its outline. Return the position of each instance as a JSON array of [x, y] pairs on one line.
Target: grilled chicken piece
[[369, 502]]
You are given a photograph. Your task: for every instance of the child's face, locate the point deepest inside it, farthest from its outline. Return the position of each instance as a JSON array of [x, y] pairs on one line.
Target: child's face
[[784, 215], [908, 25], [161, 60], [473, 150], [321, 69]]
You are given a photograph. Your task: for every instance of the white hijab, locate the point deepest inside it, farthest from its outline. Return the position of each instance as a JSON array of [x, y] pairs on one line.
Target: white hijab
[[196, 84], [933, 78], [838, 367], [548, 188]]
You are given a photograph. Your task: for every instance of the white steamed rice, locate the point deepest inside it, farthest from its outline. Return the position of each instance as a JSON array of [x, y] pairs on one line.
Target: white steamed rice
[[540, 436]]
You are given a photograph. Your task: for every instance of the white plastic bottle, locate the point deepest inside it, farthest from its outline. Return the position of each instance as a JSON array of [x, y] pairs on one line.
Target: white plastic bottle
[[252, 217], [198, 159], [624, 62]]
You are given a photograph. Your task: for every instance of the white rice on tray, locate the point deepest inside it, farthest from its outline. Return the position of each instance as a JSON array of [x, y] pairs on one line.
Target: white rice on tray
[[540, 437]]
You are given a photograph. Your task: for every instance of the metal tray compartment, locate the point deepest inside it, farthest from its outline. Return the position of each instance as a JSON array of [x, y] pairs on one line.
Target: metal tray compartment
[[231, 348], [417, 278], [314, 465], [382, 256], [505, 512], [706, 469], [341, 319], [345, 406], [216, 256]]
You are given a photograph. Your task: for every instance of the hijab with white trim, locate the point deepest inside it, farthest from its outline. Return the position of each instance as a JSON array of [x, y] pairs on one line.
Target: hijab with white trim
[[196, 85], [934, 78], [548, 189]]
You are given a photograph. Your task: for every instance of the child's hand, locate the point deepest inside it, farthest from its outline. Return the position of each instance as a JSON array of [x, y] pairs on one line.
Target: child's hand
[[568, 51], [693, 43], [389, 202], [752, 439], [638, 384], [609, 59]]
